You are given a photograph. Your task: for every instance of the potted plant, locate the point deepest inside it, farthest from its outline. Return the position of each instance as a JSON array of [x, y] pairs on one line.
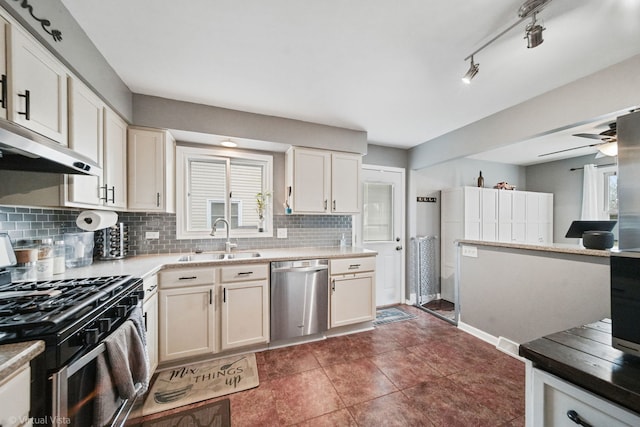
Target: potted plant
[[262, 200]]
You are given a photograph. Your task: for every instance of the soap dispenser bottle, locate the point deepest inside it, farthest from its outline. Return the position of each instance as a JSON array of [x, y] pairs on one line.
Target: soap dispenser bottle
[[343, 241]]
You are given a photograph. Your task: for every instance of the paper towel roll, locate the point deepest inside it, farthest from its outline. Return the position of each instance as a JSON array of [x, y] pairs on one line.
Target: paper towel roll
[[96, 220]]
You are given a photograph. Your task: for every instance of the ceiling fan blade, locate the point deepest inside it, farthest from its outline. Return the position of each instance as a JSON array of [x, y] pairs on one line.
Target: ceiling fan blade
[[588, 135], [569, 149]]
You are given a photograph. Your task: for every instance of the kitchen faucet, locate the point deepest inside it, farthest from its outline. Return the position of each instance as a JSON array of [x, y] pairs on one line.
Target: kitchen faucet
[[227, 245]]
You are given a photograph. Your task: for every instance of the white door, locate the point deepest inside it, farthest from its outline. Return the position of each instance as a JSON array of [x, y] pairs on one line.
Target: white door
[[383, 229]]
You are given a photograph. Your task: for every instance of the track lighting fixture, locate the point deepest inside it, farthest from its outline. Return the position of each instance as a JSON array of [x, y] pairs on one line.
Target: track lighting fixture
[[473, 70], [533, 32]]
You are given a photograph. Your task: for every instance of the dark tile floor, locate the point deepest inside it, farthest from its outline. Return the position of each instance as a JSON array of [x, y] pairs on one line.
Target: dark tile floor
[[418, 372]]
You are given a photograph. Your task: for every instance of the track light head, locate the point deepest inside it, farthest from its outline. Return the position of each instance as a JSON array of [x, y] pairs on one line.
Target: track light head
[[533, 33], [473, 70]]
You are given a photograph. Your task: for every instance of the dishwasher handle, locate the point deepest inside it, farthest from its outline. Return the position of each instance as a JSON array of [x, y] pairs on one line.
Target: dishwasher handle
[[299, 269]]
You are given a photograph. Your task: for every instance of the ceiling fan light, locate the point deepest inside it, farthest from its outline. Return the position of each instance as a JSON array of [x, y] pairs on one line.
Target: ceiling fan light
[[473, 70], [609, 149]]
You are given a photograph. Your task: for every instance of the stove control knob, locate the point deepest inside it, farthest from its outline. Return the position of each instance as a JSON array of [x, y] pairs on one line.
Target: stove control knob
[[104, 325], [133, 299], [91, 336], [121, 311]]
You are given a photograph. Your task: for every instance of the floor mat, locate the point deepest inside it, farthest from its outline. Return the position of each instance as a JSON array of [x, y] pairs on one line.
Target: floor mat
[[389, 315], [194, 383], [216, 414]]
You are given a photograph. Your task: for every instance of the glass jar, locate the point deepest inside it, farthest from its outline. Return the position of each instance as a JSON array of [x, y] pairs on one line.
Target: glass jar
[[44, 265], [58, 257]]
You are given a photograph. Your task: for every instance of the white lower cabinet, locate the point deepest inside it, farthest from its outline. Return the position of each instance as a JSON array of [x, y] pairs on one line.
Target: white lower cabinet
[[353, 295], [15, 399], [551, 402], [150, 312], [244, 306], [186, 313]]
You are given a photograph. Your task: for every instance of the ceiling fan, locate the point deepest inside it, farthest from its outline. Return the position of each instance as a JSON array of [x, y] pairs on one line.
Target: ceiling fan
[[607, 146]]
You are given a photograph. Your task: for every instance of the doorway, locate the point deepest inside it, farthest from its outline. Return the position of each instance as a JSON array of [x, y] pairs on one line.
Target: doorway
[[382, 229]]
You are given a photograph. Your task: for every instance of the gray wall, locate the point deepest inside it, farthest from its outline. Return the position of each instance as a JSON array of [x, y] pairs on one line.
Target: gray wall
[[75, 50], [386, 156], [615, 88], [159, 112], [523, 294], [566, 186]]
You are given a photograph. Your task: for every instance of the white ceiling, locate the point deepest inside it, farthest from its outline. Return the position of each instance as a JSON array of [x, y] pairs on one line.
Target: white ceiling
[[392, 69]]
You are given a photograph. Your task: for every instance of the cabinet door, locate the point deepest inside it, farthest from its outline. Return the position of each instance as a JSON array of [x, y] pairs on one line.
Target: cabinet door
[[472, 213], [39, 94], [150, 309], [85, 137], [489, 212], [519, 217], [353, 299], [311, 181], [146, 158], [4, 31], [505, 216], [115, 159], [345, 182], [186, 322], [245, 314]]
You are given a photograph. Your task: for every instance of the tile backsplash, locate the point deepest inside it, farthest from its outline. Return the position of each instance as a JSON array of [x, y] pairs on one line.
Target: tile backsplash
[[302, 230]]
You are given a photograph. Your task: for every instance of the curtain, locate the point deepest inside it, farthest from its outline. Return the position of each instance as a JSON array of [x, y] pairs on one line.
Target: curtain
[[590, 193]]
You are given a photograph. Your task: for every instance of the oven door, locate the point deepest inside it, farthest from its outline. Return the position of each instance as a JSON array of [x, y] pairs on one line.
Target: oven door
[[74, 389]]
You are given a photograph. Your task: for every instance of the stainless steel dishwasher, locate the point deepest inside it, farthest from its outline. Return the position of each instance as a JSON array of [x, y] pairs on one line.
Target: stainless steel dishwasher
[[299, 298]]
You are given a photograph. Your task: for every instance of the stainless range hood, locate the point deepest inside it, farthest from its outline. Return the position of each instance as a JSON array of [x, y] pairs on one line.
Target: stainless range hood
[[24, 150]]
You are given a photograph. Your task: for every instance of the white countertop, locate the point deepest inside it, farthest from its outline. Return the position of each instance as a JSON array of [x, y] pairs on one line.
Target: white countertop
[[146, 265], [551, 247]]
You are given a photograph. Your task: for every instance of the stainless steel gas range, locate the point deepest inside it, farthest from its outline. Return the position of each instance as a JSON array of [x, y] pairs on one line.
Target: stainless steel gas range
[[73, 317]]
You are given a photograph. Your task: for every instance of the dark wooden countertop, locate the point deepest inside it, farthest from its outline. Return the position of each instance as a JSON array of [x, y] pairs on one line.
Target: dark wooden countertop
[[584, 356]]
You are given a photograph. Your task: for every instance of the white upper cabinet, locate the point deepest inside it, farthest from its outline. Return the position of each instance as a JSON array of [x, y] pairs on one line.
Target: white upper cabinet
[[86, 136], [323, 182], [345, 182], [115, 159], [151, 172], [38, 87], [98, 133]]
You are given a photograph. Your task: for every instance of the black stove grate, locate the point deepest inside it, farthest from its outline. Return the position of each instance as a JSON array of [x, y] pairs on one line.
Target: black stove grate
[[31, 305]]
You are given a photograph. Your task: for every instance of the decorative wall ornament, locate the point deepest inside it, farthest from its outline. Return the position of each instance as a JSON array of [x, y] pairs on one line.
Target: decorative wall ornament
[[45, 23]]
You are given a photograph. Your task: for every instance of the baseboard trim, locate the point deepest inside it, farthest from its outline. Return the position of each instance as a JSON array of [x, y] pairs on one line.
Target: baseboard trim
[[503, 344]]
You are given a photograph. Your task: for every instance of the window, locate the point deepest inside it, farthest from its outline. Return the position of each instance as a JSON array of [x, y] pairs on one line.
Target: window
[[378, 212], [608, 203], [213, 183]]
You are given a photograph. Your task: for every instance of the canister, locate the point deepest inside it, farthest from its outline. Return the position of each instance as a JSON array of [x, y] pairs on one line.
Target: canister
[[44, 265], [58, 257]]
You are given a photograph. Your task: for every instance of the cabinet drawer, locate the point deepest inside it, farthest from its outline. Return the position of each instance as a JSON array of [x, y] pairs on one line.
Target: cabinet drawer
[[557, 398], [352, 265], [243, 273], [179, 277], [150, 286]]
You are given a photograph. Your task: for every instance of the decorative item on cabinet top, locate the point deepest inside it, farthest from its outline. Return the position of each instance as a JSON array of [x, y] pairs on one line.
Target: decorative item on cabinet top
[[504, 186]]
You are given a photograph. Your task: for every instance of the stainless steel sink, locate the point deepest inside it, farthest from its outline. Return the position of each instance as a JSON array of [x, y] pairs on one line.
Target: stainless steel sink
[[218, 256]]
